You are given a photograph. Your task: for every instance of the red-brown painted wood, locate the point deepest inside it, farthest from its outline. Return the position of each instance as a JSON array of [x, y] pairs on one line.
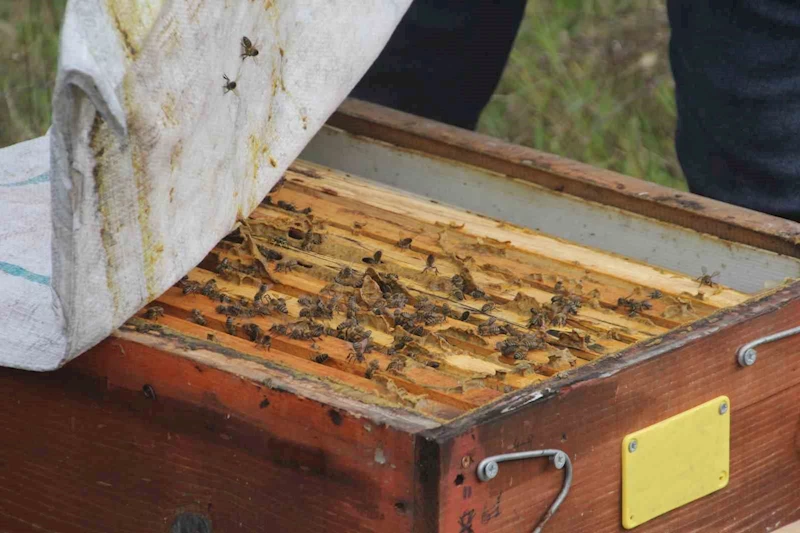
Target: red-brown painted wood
[[590, 414], [83, 449]]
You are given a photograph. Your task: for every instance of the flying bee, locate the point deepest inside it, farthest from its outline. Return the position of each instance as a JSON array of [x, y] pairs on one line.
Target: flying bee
[[707, 279], [286, 266], [262, 290], [487, 307], [375, 259], [321, 358], [197, 317], [248, 50], [154, 312], [430, 264], [230, 327], [373, 367], [405, 244], [230, 85]]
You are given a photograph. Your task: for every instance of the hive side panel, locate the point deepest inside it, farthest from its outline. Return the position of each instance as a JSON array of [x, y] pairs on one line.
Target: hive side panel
[[127, 438], [588, 418]]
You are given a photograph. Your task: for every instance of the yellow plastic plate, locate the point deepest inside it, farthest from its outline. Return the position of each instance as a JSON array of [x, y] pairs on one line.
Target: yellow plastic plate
[[675, 462]]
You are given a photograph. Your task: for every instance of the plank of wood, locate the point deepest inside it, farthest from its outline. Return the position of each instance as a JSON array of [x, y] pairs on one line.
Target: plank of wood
[[531, 241], [569, 177], [101, 456]]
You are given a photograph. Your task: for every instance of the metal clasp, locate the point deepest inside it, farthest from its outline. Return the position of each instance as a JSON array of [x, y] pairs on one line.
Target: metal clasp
[[746, 355], [489, 468]]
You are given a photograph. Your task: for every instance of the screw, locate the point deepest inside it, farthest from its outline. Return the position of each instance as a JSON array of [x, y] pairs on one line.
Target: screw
[[723, 408], [490, 470], [633, 445], [465, 461], [749, 358], [559, 460]]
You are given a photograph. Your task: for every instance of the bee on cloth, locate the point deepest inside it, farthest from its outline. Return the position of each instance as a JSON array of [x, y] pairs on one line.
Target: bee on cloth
[[248, 50], [230, 85]]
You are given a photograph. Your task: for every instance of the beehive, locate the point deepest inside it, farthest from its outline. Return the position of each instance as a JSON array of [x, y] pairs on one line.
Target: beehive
[[402, 301]]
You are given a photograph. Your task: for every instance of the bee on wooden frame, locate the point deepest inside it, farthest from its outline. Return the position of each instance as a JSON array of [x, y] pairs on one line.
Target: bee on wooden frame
[[707, 279], [248, 50], [154, 312], [197, 317], [230, 327], [430, 264], [373, 367], [321, 358], [404, 244], [375, 259], [286, 266]]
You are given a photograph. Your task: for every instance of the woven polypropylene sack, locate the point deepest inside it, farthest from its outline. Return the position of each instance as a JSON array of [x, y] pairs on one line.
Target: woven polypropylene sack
[[153, 159]]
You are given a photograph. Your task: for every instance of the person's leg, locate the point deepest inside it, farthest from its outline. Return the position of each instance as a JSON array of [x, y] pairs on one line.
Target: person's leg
[[444, 59], [737, 76]]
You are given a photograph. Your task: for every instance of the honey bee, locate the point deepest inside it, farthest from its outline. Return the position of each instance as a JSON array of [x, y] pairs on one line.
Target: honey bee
[[279, 329], [405, 244], [223, 266], [487, 307], [197, 317], [375, 259], [253, 331], [656, 294], [262, 290], [373, 367], [357, 353], [558, 288], [490, 327], [286, 266], [266, 342], [279, 304], [430, 264], [457, 281], [229, 85], [464, 316], [269, 254], [707, 279], [321, 358], [154, 312], [538, 318], [458, 294], [230, 327], [248, 50], [477, 294], [188, 286], [397, 300], [396, 365], [558, 319], [287, 206], [310, 238], [432, 364]]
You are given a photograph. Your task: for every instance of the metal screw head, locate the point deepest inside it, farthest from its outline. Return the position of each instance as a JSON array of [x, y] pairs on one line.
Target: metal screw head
[[749, 357], [465, 461], [559, 460], [633, 445], [490, 470], [723, 408]]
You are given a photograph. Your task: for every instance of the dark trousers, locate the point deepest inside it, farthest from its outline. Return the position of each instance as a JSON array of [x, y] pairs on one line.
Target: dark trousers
[[736, 65]]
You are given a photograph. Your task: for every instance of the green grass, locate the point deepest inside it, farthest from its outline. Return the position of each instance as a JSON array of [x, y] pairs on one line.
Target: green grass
[[587, 79], [28, 58], [590, 80]]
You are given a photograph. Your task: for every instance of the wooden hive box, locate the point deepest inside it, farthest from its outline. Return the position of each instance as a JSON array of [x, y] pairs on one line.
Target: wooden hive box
[[298, 380]]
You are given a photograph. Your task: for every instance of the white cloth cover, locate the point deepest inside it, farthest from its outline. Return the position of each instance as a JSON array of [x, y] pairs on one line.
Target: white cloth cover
[[151, 160]]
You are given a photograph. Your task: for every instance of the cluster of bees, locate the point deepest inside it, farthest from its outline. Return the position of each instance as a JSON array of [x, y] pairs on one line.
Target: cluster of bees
[[317, 314]]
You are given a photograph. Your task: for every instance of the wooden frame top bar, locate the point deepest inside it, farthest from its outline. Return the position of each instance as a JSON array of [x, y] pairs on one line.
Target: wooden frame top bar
[[701, 214]]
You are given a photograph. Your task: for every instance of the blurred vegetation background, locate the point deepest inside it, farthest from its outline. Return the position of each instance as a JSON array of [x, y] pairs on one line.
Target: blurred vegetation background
[[587, 79]]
